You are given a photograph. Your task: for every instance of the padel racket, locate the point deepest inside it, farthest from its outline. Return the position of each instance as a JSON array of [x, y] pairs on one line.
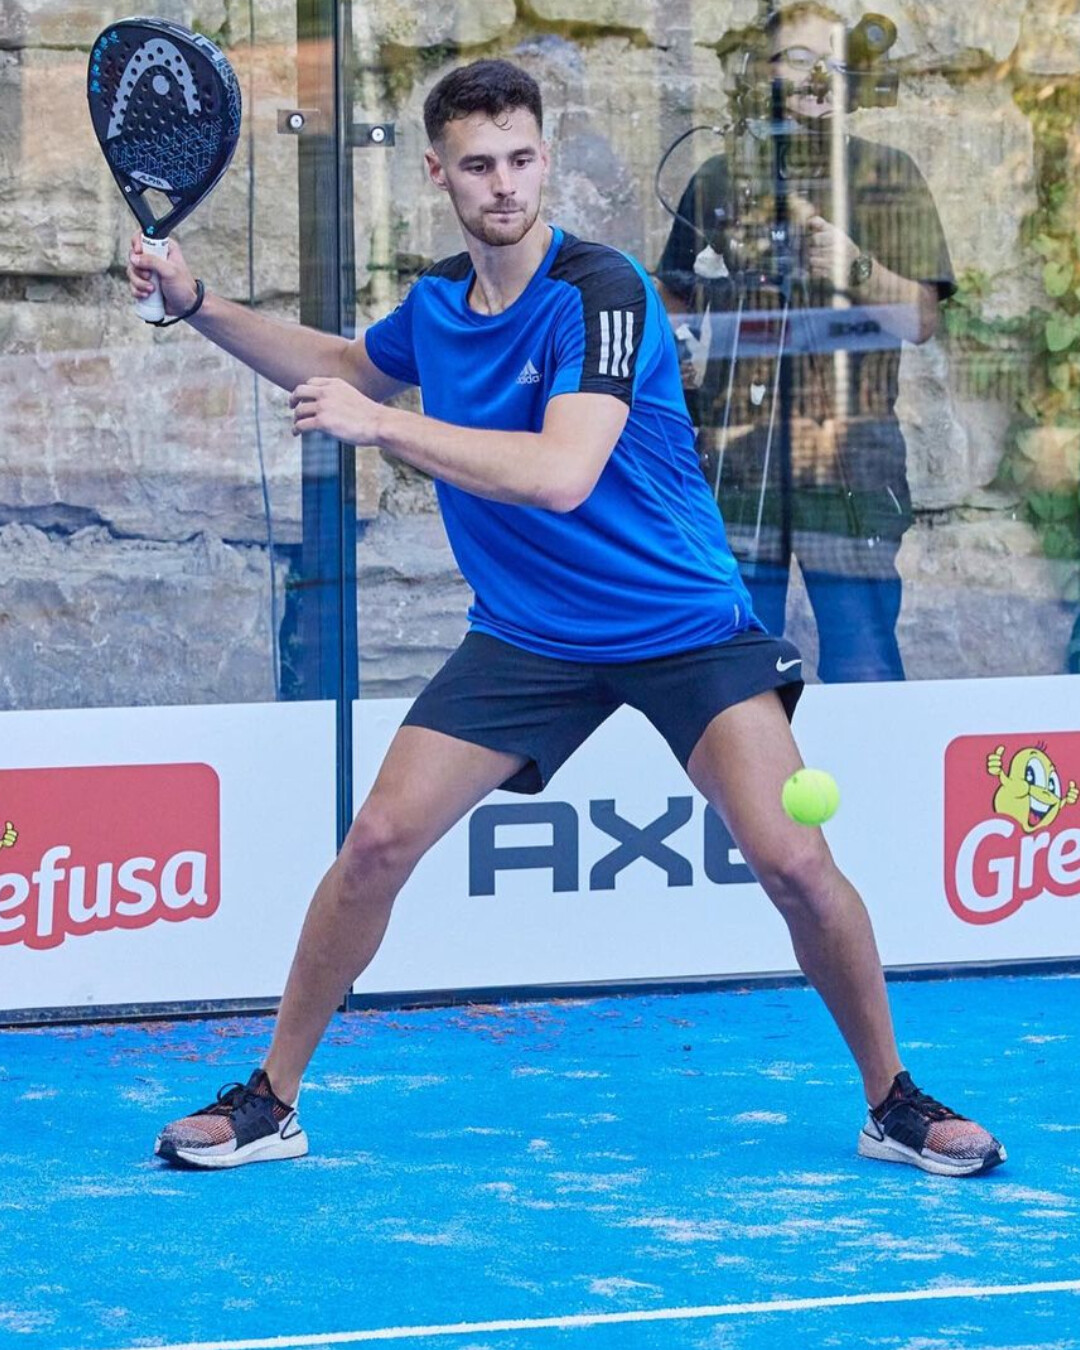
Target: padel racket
[[165, 105]]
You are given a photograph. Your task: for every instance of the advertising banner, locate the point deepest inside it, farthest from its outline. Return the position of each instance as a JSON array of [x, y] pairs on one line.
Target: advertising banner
[[159, 855], [959, 823]]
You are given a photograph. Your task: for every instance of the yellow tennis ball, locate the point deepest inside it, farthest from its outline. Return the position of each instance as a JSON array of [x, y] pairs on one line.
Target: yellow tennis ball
[[810, 796]]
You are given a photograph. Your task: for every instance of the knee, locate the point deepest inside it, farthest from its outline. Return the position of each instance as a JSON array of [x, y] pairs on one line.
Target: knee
[[801, 882], [379, 844]]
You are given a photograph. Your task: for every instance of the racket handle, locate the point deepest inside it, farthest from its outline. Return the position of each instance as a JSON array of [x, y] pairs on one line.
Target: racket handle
[[153, 307]]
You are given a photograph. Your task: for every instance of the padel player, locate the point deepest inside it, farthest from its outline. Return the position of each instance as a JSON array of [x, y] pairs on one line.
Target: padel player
[[557, 435]]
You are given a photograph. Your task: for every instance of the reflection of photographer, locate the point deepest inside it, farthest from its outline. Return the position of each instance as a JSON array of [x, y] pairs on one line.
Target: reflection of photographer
[[799, 261]]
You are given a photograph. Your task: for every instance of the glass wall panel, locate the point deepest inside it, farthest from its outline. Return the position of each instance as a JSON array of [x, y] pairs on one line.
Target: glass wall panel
[[164, 538], [863, 224], [150, 503], [915, 451]]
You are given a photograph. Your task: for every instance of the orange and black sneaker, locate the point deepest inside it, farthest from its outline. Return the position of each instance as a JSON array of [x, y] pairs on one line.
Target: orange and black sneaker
[[247, 1123], [911, 1127]]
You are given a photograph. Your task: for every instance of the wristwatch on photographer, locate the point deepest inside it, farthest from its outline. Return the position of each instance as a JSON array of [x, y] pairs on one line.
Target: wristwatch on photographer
[[860, 271]]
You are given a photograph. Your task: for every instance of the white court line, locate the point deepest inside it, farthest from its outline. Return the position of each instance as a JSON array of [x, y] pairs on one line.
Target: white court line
[[611, 1319]]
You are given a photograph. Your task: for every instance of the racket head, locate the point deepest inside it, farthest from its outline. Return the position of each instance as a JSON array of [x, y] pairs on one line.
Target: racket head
[[165, 105]]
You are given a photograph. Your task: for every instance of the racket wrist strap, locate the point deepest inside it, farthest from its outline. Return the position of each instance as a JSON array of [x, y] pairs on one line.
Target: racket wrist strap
[[200, 296]]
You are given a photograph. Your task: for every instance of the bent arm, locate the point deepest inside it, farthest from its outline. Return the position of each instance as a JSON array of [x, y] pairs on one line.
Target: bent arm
[[908, 309], [555, 468]]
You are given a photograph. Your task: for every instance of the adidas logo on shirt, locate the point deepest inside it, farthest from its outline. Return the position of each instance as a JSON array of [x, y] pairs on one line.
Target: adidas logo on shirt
[[529, 374]]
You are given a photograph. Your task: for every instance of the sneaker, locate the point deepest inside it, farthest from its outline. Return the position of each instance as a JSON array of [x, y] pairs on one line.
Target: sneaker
[[910, 1127], [246, 1124]]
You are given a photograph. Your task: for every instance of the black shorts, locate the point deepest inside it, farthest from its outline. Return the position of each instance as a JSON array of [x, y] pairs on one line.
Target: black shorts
[[493, 694]]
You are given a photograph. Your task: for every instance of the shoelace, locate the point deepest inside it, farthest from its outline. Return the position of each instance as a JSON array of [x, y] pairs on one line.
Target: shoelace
[[924, 1104], [229, 1098]]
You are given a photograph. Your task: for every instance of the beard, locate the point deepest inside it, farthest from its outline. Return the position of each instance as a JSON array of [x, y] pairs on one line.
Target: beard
[[501, 230]]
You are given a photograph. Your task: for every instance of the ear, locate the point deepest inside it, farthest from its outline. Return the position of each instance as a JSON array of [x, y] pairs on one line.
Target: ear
[[434, 168]]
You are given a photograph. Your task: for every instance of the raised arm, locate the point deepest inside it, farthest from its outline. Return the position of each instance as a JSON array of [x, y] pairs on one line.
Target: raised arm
[[285, 353]]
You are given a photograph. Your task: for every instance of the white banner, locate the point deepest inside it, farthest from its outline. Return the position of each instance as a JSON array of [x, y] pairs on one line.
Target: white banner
[[959, 822], [159, 855]]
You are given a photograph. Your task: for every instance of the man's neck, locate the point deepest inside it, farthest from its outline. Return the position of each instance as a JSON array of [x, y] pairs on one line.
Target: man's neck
[[503, 273]]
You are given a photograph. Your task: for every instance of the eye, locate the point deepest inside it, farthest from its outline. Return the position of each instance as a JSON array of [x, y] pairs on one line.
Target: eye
[[1035, 774], [1055, 784]]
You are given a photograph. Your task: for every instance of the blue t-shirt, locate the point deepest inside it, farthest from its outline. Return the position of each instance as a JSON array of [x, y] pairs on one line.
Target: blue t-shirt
[[641, 568]]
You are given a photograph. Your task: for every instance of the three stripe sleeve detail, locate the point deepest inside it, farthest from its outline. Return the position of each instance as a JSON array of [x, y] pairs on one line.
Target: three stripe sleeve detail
[[616, 342]]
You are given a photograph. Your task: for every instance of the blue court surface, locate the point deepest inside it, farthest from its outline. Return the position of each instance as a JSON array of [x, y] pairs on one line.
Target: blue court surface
[[660, 1170]]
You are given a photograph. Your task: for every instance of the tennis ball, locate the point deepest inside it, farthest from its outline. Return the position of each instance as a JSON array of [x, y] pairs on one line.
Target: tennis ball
[[810, 796]]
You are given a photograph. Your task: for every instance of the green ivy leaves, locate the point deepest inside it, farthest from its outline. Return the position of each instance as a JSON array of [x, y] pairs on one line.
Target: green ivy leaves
[[1058, 279], [1062, 330]]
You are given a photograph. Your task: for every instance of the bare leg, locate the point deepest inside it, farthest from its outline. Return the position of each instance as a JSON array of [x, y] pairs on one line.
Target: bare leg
[[830, 928], [427, 782]]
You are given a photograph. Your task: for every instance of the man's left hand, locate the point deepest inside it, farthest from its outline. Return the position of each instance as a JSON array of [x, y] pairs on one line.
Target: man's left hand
[[336, 408]]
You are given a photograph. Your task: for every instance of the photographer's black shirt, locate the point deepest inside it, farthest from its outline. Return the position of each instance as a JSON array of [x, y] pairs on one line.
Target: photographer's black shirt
[[891, 217]]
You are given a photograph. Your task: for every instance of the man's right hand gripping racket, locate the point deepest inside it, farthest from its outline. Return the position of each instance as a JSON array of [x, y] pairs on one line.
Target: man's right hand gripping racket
[[165, 104]]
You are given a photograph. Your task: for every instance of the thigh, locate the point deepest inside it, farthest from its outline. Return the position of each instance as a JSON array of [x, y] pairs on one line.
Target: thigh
[[502, 698], [740, 766], [428, 781]]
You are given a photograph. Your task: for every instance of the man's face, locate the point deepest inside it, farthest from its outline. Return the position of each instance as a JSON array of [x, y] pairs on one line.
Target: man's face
[[795, 50], [494, 172]]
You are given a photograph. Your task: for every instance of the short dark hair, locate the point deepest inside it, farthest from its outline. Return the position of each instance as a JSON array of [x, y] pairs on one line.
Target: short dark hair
[[493, 88]]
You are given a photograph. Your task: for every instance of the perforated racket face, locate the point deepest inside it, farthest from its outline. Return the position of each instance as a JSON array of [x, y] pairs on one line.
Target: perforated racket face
[[165, 105]]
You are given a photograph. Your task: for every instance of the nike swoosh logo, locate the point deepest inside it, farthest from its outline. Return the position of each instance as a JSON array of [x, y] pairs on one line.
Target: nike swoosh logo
[[781, 666]]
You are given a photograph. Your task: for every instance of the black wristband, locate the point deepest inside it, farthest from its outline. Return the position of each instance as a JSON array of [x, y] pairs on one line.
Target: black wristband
[[200, 296]]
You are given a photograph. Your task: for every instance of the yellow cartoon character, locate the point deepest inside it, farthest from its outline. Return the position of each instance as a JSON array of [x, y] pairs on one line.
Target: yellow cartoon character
[[1031, 790], [9, 836]]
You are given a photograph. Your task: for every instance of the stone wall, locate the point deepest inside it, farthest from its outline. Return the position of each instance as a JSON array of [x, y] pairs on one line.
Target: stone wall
[[134, 553]]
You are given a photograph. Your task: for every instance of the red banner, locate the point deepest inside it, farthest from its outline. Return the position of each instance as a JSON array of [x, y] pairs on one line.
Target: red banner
[[86, 850], [1012, 823]]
